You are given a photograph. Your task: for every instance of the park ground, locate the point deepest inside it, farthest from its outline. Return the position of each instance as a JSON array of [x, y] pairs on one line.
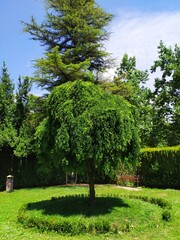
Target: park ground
[[10, 203]]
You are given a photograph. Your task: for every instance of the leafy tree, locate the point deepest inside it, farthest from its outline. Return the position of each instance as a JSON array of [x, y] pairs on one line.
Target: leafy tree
[[130, 83], [166, 97], [87, 130], [73, 34]]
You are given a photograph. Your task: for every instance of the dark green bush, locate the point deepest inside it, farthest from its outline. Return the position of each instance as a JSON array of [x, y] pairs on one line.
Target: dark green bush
[[166, 215], [160, 167], [157, 201]]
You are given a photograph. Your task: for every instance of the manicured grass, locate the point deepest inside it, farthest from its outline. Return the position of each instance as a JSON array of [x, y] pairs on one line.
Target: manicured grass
[[143, 218]]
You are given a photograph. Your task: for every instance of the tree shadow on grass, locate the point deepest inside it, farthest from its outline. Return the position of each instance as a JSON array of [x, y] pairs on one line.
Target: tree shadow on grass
[[75, 205]]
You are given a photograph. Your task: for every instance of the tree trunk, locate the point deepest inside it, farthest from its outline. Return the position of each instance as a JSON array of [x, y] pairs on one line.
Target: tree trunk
[[91, 172]]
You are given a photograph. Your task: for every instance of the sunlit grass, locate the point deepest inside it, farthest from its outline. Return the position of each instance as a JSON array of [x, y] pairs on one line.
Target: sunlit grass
[[144, 226]]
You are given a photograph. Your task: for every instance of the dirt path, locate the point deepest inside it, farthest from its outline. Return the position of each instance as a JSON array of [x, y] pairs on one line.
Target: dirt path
[[129, 188]]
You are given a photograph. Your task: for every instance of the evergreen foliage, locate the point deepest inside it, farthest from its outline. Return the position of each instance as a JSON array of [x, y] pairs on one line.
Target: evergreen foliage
[[6, 96], [51, 71], [73, 34], [21, 109], [160, 167], [7, 130]]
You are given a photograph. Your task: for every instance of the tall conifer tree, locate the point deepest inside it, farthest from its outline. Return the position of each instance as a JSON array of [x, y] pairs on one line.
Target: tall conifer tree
[[7, 131], [6, 96], [73, 34], [21, 109]]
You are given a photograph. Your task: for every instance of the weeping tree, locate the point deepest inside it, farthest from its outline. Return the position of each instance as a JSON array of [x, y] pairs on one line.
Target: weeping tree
[[87, 130]]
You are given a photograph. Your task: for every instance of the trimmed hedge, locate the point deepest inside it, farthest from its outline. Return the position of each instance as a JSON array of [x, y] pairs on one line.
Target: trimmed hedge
[[94, 225], [27, 174], [160, 167], [70, 227]]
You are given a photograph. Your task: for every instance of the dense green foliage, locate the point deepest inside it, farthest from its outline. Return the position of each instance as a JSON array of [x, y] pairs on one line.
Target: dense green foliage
[[22, 100], [160, 167], [87, 130], [166, 98], [7, 131], [130, 83], [85, 122], [6, 97], [20, 114], [73, 34]]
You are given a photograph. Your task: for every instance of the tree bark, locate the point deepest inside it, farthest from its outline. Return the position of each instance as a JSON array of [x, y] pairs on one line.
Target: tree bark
[[91, 172]]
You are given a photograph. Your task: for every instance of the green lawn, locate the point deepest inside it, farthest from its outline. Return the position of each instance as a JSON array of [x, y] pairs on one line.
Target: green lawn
[[152, 228]]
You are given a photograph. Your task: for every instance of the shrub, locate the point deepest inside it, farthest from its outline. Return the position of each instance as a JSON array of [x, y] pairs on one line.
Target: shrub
[[160, 167], [166, 215], [70, 226]]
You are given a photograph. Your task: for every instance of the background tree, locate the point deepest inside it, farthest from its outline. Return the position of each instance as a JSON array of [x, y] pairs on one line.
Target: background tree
[[7, 130], [29, 112], [73, 34], [130, 83], [7, 96], [22, 100], [6, 108], [87, 130], [166, 97]]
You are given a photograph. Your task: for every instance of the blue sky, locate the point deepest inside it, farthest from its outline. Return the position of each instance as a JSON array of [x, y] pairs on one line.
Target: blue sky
[[138, 27]]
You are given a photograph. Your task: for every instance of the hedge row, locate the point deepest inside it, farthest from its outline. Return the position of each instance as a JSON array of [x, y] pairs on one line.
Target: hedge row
[[94, 225], [66, 225], [26, 172], [160, 167]]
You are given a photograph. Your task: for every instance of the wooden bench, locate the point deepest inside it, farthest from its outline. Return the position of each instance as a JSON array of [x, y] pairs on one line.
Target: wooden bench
[[128, 178]]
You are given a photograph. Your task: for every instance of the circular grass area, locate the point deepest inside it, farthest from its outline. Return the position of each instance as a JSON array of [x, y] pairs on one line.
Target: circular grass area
[[72, 215]]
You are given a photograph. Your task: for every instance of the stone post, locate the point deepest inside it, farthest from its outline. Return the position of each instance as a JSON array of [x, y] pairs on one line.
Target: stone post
[[9, 183]]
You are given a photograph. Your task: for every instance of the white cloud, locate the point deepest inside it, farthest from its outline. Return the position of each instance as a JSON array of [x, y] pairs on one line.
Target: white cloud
[[138, 34]]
